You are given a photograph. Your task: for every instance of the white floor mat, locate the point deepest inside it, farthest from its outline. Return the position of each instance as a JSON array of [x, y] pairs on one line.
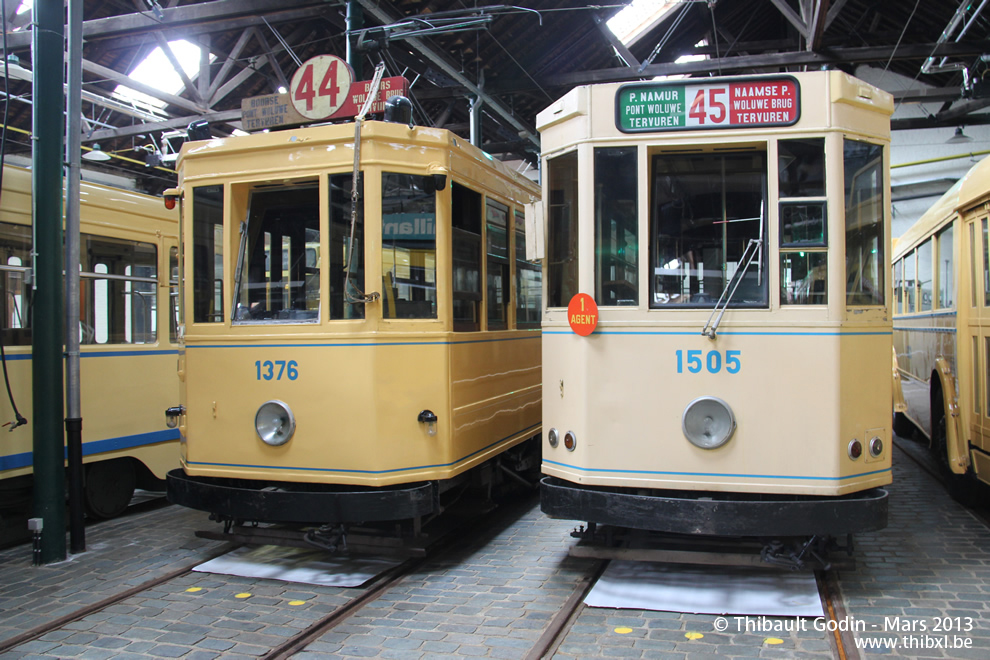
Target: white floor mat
[[297, 565]]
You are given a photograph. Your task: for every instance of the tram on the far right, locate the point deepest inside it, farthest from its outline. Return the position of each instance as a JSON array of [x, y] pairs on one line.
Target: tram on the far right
[[717, 306]]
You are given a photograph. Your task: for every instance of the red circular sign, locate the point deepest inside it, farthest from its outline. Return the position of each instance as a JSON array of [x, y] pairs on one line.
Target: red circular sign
[[582, 314], [320, 86]]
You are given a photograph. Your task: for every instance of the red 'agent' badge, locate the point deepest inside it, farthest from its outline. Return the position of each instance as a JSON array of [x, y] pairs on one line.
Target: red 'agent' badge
[[582, 314]]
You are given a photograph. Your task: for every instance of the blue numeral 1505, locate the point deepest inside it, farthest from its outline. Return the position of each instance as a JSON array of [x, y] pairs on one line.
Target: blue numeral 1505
[[713, 361], [275, 370]]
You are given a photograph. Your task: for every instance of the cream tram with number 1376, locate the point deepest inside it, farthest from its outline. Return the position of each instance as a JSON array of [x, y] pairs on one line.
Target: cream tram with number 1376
[[717, 324], [338, 387]]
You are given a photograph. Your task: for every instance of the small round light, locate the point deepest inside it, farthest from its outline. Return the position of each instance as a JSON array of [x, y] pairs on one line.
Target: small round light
[[855, 449], [570, 440], [876, 446], [274, 423], [708, 422], [553, 437]]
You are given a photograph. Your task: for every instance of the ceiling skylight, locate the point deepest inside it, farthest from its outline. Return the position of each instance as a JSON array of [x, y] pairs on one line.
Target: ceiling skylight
[[638, 17], [156, 71]]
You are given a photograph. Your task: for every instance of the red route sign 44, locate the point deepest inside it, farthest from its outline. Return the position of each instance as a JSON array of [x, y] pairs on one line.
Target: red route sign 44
[[582, 314], [320, 86]]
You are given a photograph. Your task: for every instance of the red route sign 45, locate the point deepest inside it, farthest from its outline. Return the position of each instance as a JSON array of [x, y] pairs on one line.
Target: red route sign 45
[[320, 86]]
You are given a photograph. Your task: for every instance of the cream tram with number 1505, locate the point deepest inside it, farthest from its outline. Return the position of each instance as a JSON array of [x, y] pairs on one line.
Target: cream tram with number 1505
[[362, 340], [717, 324]]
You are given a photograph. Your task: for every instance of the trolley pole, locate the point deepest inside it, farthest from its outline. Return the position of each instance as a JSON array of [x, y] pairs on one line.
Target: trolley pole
[[47, 327], [73, 409]]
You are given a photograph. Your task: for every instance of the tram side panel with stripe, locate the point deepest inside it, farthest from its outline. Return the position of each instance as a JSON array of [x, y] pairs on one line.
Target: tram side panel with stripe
[[941, 298], [730, 239], [128, 345], [322, 387]]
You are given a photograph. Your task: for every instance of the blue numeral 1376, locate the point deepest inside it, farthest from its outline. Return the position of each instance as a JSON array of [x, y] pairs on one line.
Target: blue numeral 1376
[[269, 370], [697, 360]]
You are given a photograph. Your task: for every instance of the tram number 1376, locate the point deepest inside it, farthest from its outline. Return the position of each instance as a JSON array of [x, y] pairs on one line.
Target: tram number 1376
[[713, 361], [276, 370]]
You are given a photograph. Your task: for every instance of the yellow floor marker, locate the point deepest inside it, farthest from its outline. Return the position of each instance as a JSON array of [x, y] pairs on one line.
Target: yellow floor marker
[[193, 590], [297, 602], [773, 640], [693, 635], [623, 631], [242, 595]]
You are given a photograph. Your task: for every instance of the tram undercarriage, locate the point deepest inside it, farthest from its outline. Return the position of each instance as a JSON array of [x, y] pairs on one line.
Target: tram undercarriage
[[795, 531], [352, 519]]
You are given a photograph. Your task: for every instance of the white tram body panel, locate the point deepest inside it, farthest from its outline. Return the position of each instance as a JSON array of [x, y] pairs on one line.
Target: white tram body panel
[[803, 382]]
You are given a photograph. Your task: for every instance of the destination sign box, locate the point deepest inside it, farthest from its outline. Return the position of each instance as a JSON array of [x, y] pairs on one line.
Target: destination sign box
[[272, 110], [738, 103]]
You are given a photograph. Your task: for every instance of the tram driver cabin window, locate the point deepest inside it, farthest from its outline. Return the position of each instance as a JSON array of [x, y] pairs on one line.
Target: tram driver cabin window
[[707, 226], [409, 247], [207, 299], [864, 205], [803, 215]]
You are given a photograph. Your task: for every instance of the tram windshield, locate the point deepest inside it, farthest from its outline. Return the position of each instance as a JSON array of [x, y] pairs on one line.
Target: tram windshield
[[705, 208]]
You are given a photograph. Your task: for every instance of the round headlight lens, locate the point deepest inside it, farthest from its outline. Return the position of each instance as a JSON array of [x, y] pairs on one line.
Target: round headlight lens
[[876, 447], [274, 423], [708, 422], [553, 437]]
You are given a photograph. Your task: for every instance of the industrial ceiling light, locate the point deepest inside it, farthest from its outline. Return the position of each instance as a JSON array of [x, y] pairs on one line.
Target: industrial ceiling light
[[958, 137], [96, 154]]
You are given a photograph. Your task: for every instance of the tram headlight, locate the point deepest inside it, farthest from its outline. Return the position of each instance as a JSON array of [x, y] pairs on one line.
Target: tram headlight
[[172, 416], [855, 449], [876, 446], [708, 422], [553, 437], [274, 423]]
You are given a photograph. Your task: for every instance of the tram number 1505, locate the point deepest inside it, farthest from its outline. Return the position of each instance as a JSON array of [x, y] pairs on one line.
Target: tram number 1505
[[269, 370], [713, 361]]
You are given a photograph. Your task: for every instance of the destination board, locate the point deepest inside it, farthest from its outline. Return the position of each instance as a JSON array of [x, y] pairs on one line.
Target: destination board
[[734, 103]]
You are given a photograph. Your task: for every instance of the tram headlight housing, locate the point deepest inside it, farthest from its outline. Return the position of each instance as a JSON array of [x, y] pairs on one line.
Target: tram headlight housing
[[429, 418], [708, 422], [173, 414], [876, 446], [275, 423], [570, 440], [855, 449], [553, 437]]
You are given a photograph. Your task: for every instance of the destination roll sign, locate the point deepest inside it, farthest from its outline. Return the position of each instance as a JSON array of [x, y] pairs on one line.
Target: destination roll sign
[[733, 103]]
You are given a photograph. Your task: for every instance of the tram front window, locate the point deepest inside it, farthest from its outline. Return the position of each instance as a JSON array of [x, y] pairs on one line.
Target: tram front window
[[705, 209], [278, 277]]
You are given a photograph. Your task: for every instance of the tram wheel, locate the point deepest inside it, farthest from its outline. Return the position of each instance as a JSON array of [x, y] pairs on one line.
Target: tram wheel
[[903, 426], [109, 487], [963, 488]]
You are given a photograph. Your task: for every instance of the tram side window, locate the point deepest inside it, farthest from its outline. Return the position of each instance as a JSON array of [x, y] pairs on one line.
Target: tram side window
[[341, 302], [899, 286], [910, 283], [119, 303], [974, 251], [497, 248], [562, 229], [279, 275], [529, 281], [925, 276], [707, 217], [864, 204], [803, 218], [466, 247], [15, 259], [986, 265], [946, 286], [616, 226], [173, 294], [207, 254], [409, 247]]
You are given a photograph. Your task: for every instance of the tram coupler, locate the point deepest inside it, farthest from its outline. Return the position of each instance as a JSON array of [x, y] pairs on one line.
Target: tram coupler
[[796, 557]]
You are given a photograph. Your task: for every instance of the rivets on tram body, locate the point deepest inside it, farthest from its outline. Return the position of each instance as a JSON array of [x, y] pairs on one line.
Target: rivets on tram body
[[708, 422]]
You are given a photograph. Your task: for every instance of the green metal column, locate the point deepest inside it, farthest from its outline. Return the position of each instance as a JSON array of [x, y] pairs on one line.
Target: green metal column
[[47, 323], [355, 21]]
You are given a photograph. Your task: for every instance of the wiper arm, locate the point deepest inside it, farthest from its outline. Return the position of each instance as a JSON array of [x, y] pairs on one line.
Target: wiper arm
[[753, 248]]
